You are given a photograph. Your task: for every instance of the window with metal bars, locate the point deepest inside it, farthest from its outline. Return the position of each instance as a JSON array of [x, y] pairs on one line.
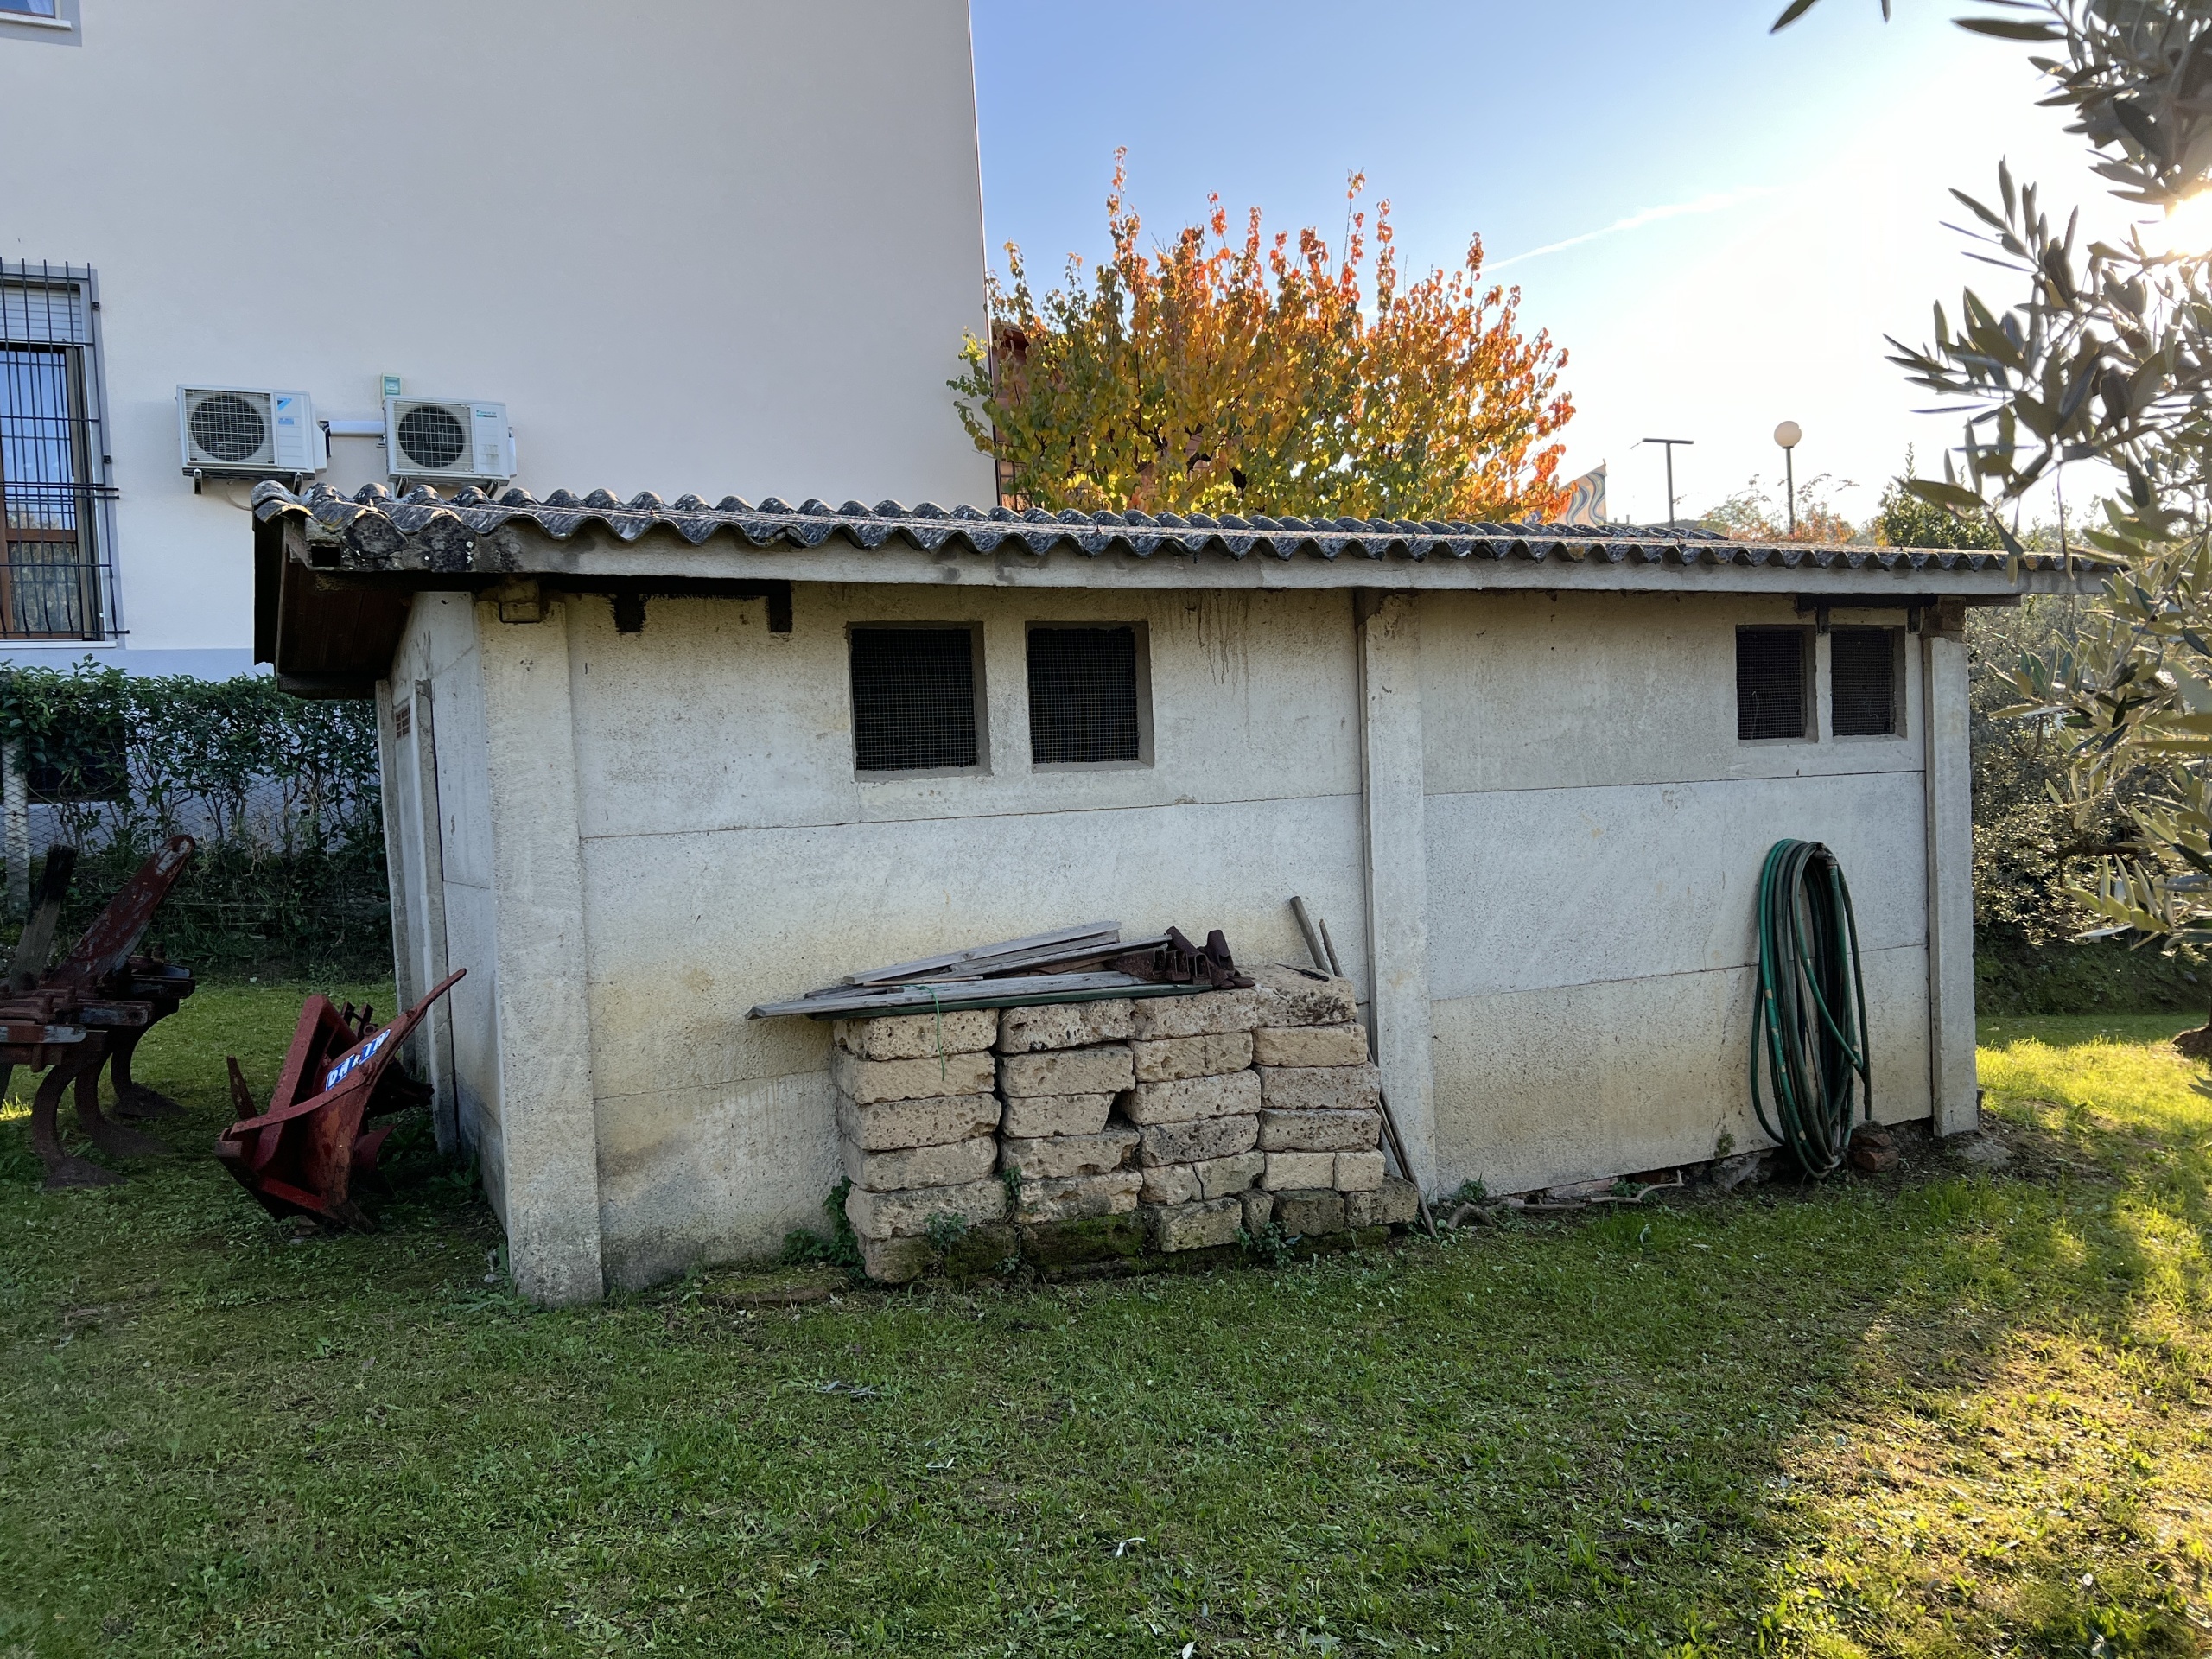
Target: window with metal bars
[[54, 577], [1086, 694], [1772, 682], [914, 699], [1863, 681]]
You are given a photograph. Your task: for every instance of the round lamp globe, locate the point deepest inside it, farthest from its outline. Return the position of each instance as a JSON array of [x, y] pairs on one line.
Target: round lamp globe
[[1788, 434]]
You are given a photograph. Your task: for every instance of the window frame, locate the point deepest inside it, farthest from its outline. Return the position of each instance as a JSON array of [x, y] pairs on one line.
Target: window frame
[[85, 386], [979, 687], [1898, 683], [61, 29], [1141, 642], [1809, 671]]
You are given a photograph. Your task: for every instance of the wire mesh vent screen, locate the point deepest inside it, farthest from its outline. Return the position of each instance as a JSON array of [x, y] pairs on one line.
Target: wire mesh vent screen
[[1862, 663], [430, 436], [1082, 695], [913, 698], [1770, 682], [226, 426]]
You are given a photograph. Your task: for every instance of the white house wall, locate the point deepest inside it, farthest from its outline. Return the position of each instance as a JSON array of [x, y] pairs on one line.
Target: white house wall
[[677, 241], [732, 856], [1595, 833]]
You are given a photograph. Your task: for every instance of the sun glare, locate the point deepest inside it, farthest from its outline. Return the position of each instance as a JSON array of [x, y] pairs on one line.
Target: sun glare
[[2186, 227]]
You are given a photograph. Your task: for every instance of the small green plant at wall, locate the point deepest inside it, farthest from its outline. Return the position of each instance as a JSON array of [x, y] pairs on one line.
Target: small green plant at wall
[[1724, 1145], [1270, 1244], [841, 1248], [945, 1230], [1010, 1178]]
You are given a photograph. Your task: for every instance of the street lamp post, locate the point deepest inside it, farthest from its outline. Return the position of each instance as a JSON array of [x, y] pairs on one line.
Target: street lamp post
[[1788, 434]]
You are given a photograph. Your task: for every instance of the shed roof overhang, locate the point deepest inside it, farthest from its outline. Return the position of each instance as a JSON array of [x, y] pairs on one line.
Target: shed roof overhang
[[334, 574]]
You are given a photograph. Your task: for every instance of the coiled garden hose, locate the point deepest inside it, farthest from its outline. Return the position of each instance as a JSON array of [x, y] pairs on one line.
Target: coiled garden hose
[[1810, 1021]]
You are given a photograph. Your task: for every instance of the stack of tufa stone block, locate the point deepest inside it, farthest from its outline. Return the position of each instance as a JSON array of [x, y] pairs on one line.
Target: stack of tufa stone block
[[1204, 1117]]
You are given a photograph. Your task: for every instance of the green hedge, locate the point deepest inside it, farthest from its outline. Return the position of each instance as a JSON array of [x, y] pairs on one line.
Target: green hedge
[[282, 794]]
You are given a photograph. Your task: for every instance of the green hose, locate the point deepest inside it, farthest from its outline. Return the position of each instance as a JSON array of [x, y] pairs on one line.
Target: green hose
[[1809, 1023]]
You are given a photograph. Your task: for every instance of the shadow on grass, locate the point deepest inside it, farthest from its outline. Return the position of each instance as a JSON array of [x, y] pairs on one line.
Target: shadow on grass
[[1800, 1422]]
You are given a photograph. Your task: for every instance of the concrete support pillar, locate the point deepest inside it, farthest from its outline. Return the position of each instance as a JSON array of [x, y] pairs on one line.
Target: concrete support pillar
[[1952, 1083], [1393, 787], [549, 1139]]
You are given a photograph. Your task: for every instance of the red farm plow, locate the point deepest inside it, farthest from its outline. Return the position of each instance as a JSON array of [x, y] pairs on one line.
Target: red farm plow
[[300, 1157]]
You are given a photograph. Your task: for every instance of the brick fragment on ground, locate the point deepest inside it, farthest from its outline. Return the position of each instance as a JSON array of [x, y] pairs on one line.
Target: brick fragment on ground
[[1309, 1045], [1194, 1016], [1079, 1197], [1169, 1058], [1195, 1226], [1171, 1184], [1310, 1212], [952, 1163], [1873, 1150], [1066, 1025], [1288, 996], [1187, 1100], [1320, 1131], [1359, 1172], [1289, 1170], [1195, 1143], [1219, 1177], [1103, 1071], [1056, 1156], [1394, 1202], [906, 1215], [890, 1125], [917, 1036], [1027, 1117], [1321, 1088], [870, 1082]]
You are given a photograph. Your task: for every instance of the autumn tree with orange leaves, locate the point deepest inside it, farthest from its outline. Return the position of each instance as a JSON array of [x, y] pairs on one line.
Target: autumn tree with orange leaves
[[1220, 377]]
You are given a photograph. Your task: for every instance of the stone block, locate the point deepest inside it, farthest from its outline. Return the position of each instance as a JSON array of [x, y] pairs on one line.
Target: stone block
[[1073, 1243], [952, 1163], [1234, 1095], [1078, 1198], [1291, 996], [1195, 1226], [1259, 1210], [1308, 1046], [1199, 1015], [1191, 1143], [1219, 1177], [1393, 1204], [1171, 1058], [1320, 1131], [906, 1215], [869, 1083], [1359, 1172], [1066, 1071], [1063, 1025], [917, 1036], [1058, 1155], [1321, 1088], [1171, 1184], [891, 1125], [896, 1261], [1309, 1212], [1029, 1117], [1288, 1171], [980, 1251]]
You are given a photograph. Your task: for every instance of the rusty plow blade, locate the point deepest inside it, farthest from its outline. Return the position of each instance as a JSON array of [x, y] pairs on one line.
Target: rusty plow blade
[[300, 1157]]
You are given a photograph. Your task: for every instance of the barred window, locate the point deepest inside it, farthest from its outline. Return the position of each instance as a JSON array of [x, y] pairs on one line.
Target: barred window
[[1085, 695], [914, 699], [1863, 679], [1771, 681], [53, 580]]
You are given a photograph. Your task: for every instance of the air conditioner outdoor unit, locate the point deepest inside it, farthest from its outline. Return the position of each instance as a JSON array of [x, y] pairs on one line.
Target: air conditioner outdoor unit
[[248, 432], [434, 439]]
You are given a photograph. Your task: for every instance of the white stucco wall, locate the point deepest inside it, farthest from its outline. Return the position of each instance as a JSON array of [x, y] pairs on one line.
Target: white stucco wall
[[726, 247]]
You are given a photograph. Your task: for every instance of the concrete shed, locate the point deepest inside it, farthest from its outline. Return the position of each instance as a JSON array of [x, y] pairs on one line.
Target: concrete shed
[[648, 764]]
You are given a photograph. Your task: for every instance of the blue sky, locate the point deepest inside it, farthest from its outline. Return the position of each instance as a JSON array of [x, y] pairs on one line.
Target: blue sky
[[1781, 195]]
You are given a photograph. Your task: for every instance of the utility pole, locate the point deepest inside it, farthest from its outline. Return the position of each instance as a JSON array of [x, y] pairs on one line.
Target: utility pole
[[1669, 444]]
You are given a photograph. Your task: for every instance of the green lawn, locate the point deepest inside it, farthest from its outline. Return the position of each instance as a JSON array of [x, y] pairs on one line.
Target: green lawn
[[1957, 1411]]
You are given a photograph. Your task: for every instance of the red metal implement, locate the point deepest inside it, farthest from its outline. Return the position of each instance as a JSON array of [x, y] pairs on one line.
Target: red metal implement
[[298, 1158]]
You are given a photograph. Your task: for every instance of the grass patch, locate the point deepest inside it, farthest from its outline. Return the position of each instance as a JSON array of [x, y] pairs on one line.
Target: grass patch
[[1959, 1412]]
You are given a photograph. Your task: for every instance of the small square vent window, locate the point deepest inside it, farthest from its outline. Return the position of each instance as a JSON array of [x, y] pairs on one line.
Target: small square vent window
[[914, 699], [1770, 682], [1863, 666], [1085, 703]]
